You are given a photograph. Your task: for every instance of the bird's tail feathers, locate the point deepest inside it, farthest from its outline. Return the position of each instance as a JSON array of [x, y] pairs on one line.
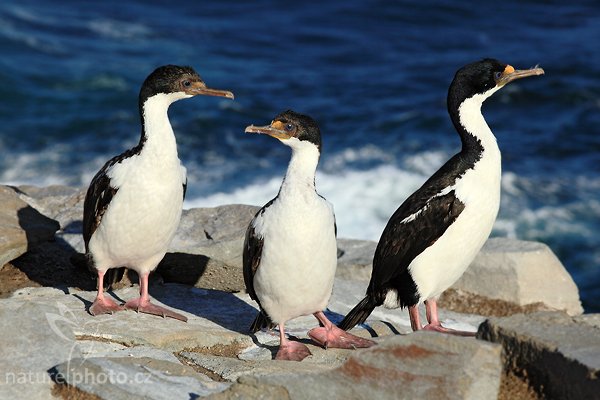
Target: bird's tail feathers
[[359, 313], [261, 321], [86, 261], [113, 276]]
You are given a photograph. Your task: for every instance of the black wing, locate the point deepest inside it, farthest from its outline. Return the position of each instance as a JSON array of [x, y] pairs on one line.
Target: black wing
[[185, 180], [97, 199], [404, 238], [253, 246]]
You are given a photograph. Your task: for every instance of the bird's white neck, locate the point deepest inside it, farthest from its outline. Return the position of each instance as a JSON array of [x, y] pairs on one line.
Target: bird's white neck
[[474, 124], [159, 139], [300, 175]]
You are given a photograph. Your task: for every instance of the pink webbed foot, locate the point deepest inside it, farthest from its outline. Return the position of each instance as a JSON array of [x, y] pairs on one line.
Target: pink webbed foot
[[443, 329], [292, 351], [144, 306], [337, 338], [104, 305], [434, 322]]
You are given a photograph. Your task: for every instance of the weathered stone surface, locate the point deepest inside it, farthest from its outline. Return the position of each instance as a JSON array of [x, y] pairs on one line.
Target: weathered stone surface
[[214, 232], [36, 335], [231, 369], [252, 390], [423, 365], [181, 357], [135, 378], [560, 354], [62, 203], [21, 226], [201, 271], [590, 319], [214, 318], [356, 260], [521, 272], [215, 338]]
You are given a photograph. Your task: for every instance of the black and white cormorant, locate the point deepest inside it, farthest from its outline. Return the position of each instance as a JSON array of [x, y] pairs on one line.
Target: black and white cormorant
[[435, 234], [290, 251], [133, 205]]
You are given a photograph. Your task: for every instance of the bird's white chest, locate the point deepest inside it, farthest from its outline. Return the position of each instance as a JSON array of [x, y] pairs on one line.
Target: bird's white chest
[[441, 264], [143, 216], [299, 257]]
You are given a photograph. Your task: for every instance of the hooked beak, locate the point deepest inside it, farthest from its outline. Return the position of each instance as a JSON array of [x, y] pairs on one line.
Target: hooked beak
[[275, 130], [510, 74], [198, 88]]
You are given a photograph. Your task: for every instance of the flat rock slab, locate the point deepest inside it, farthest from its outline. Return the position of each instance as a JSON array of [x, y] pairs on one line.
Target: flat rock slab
[[560, 354], [521, 272], [48, 327], [21, 226], [135, 378], [214, 318], [36, 335], [230, 369], [423, 365]]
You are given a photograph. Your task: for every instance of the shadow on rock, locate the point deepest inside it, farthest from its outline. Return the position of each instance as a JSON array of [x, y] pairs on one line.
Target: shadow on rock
[[46, 262], [223, 308]]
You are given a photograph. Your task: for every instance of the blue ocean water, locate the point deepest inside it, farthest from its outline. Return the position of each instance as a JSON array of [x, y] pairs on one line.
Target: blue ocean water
[[374, 74]]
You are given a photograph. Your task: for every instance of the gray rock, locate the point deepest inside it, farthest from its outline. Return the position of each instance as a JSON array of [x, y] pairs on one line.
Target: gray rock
[[201, 271], [214, 318], [590, 319], [62, 203], [231, 369], [251, 391], [561, 355], [217, 233], [423, 365], [356, 260], [94, 348], [523, 273], [37, 333], [136, 378], [21, 226]]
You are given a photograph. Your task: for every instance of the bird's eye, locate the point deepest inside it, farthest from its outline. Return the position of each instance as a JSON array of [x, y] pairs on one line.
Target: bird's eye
[[497, 75], [187, 83], [289, 127]]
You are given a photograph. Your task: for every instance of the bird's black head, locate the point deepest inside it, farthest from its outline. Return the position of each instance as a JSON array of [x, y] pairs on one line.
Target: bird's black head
[[291, 125], [483, 78], [179, 80]]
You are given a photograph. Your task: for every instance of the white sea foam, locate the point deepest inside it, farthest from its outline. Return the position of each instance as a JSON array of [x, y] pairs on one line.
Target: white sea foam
[[45, 167]]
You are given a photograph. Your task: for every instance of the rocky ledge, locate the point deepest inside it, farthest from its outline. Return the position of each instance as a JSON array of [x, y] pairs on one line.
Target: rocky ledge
[[532, 339]]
